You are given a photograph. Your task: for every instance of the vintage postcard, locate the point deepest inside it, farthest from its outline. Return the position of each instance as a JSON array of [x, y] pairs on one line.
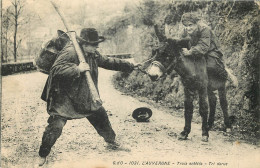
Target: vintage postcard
[[130, 83]]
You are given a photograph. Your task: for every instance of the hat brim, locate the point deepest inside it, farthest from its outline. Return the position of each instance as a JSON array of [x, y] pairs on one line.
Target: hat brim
[[142, 114], [82, 41]]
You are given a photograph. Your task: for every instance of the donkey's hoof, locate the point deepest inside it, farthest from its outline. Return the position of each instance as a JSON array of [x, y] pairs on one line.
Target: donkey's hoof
[[205, 138], [41, 161], [182, 136]]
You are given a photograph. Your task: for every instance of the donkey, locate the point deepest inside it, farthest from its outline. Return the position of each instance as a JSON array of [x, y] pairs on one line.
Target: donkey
[[195, 77]]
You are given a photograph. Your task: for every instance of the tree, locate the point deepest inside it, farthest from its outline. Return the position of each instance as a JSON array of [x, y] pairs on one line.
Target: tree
[[17, 6], [5, 28]]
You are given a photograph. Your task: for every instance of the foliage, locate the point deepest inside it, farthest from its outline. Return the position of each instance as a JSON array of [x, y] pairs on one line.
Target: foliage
[[117, 24]]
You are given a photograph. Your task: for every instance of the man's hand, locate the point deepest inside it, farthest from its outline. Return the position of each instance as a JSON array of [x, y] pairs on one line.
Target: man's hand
[[83, 67], [186, 52]]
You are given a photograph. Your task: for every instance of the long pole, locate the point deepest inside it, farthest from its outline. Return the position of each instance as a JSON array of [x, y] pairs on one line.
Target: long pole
[[96, 101]]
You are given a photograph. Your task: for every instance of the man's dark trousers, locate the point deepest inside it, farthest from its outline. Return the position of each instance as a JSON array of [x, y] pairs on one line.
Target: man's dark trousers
[[56, 123]]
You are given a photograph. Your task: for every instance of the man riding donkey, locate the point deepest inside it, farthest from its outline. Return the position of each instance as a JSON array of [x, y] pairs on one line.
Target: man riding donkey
[[67, 93], [201, 67], [203, 43]]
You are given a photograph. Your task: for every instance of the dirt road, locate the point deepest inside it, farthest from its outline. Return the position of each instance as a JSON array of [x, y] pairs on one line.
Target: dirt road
[[151, 144]]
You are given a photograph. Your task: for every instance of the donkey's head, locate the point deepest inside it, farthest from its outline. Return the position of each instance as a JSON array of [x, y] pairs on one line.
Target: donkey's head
[[166, 58]]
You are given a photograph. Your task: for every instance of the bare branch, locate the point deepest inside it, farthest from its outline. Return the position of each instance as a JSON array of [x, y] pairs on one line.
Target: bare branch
[[230, 10], [10, 49], [19, 3], [13, 3], [12, 13], [20, 8], [19, 11], [11, 22], [18, 43]]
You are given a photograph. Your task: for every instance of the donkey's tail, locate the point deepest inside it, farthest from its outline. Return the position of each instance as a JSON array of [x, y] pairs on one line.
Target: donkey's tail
[[232, 77]]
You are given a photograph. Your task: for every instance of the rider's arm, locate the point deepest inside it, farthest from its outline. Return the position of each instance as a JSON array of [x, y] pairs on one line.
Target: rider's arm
[[203, 44]]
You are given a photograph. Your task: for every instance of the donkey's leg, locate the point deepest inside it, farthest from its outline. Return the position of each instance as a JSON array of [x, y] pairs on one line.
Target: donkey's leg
[[203, 110], [224, 106], [188, 112], [212, 106]]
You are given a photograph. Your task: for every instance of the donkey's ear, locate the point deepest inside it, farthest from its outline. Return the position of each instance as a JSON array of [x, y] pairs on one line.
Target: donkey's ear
[[160, 33]]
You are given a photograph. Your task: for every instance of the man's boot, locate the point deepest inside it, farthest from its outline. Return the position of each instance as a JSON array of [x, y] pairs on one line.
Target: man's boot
[[116, 146], [41, 161]]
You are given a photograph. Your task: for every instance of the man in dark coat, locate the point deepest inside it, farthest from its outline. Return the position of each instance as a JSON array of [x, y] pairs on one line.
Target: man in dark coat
[[67, 94]]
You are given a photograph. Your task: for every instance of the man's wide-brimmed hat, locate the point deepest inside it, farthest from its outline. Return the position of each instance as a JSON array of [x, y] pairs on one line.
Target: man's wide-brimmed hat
[[90, 36], [142, 114]]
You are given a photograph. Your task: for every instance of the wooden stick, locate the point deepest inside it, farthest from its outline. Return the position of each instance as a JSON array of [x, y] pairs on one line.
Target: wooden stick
[[97, 103]]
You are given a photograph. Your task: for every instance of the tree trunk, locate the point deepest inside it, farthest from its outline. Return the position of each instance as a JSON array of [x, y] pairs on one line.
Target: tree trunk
[[2, 46], [6, 48], [15, 32]]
